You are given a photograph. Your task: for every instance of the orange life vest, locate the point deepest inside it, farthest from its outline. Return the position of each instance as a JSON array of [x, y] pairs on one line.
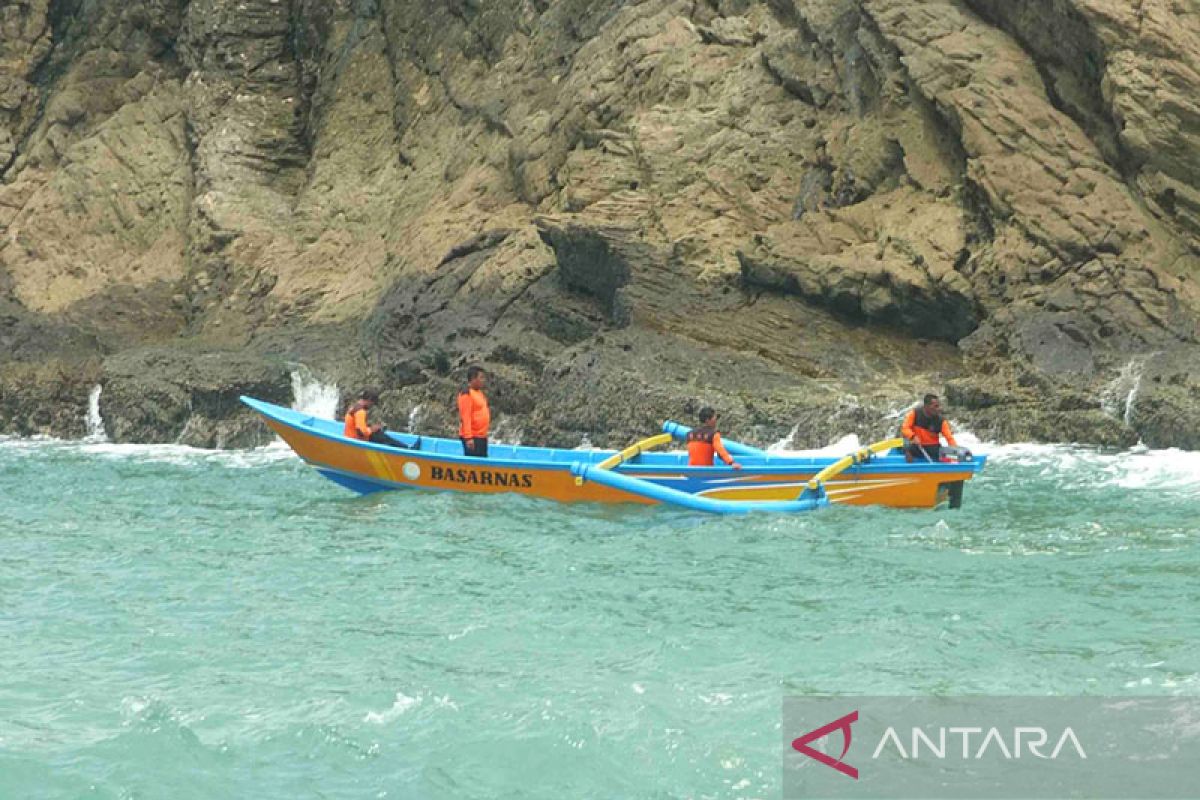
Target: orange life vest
[[356, 423], [702, 444], [925, 429]]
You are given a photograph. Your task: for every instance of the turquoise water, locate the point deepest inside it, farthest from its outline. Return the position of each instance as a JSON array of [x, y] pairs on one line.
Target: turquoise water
[[182, 624]]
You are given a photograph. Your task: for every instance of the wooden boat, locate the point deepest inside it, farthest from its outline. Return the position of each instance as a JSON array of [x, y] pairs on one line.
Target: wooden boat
[[874, 475]]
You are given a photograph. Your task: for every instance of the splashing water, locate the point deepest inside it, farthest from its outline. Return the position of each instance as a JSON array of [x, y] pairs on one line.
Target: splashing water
[[95, 423], [311, 396], [414, 417], [1131, 397], [1120, 396], [846, 444], [784, 444]]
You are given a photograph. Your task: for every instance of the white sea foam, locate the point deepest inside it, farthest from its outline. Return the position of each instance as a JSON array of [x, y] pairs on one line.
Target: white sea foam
[[1137, 468], [133, 706], [716, 699], [1161, 469], [402, 704], [445, 702], [173, 454], [453, 636], [183, 455]]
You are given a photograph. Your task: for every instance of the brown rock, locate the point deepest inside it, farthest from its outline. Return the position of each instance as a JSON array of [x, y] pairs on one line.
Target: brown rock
[[842, 199]]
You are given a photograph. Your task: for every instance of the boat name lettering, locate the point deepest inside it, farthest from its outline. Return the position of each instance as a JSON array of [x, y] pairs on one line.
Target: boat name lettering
[[482, 477]]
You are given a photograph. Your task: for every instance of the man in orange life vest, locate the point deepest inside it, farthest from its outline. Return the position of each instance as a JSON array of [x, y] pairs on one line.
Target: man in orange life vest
[[703, 442], [474, 414], [923, 428], [356, 420]]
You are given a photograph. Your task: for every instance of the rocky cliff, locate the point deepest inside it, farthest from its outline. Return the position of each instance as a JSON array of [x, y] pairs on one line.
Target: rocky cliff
[[804, 212]]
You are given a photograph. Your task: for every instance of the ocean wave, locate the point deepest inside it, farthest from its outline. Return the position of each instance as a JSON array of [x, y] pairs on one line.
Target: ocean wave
[[1137, 468], [174, 454]]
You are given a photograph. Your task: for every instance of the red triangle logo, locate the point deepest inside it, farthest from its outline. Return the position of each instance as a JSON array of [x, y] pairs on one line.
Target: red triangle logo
[[842, 724]]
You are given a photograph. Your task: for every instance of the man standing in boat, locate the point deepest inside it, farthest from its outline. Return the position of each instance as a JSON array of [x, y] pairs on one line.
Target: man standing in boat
[[704, 442], [923, 429], [474, 414], [356, 420]]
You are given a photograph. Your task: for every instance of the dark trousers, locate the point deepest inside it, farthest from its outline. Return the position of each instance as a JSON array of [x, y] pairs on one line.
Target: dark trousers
[[933, 450], [476, 447], [381, 437]]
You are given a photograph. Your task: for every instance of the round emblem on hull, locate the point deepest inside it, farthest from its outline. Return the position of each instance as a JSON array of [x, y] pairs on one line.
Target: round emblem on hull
[[411, 471]]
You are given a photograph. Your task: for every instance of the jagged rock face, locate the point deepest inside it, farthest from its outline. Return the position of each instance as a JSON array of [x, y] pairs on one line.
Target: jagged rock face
[[164, 395], [1162, 401], [1126, 73], [851, 200], [26, 40]]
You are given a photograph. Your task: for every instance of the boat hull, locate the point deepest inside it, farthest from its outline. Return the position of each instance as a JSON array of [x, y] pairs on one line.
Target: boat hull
[[439, 465]]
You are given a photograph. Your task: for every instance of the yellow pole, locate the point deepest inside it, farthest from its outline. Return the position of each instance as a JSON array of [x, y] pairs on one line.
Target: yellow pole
[[633, 450], [857, 457], [630, 452]]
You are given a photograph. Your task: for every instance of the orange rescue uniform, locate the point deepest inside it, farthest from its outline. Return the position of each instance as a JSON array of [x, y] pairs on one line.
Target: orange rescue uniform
[[356, 423], [925, 430], [473, 414], [702, 444]]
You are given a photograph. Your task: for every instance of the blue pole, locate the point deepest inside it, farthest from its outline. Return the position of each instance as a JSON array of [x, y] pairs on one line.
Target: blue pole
[[663, 494]]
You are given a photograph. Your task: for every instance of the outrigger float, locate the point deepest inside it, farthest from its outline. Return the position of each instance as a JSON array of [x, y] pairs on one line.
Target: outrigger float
[[875, 475]]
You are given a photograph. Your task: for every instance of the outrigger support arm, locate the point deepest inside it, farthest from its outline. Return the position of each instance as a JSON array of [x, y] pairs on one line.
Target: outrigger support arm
[[629, 452], [634, 450], [815, 488]]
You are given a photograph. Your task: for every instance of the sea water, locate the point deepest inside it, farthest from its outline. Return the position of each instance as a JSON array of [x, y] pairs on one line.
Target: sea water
[[177, 623]]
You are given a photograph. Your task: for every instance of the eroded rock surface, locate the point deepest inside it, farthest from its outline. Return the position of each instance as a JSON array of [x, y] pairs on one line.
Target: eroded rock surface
[[805, 211], [189, 397]]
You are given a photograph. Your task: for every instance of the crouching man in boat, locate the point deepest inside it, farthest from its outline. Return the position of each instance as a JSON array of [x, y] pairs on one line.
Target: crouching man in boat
[[704, 442], [474, 414], [356, 420], [923, 429]]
